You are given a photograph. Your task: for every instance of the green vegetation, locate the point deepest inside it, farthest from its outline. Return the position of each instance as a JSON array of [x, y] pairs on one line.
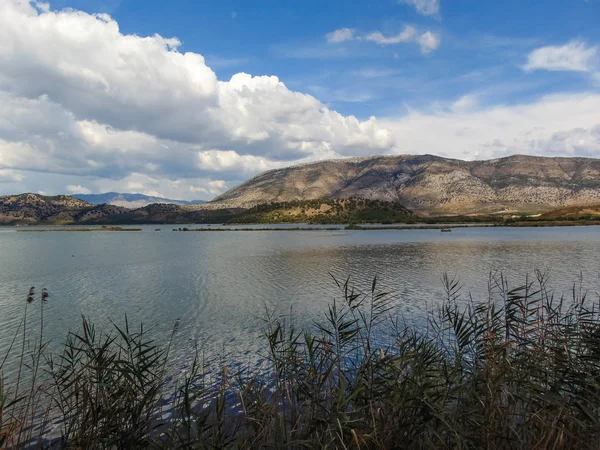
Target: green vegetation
[[520, 369], [326, 211], [349, 227], [356, 211]]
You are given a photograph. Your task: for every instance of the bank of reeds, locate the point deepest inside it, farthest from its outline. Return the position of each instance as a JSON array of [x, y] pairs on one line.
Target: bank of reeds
[[519, 369]]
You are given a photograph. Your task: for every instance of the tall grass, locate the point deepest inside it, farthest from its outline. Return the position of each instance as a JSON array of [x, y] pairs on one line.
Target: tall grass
[[518, 369]]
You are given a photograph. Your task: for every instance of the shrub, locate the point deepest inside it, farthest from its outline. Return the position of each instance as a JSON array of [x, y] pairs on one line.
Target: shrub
[[517, 370]]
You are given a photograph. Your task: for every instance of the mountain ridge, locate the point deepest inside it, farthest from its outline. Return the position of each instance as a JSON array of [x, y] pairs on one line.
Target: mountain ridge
[[33, 209], [428, 184]]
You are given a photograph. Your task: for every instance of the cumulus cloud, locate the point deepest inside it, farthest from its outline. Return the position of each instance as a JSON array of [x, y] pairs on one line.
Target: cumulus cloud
[[578, 141], [230, 161], [77, 189], [467, 131], [574, 56], [341, 35], [80, 97], [424, 7]]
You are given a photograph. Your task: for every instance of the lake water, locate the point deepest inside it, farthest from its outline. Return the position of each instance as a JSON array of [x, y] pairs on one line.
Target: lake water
[[220, 284]]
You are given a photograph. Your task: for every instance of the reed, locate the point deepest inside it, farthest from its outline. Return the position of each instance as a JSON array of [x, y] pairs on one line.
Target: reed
[[518, 369]]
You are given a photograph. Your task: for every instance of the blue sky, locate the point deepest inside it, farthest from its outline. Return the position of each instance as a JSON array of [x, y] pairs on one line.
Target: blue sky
[[179, 98], [483, 46]]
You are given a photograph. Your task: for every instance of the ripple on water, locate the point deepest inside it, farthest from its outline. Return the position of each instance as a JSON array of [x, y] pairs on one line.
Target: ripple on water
[[220, 284]]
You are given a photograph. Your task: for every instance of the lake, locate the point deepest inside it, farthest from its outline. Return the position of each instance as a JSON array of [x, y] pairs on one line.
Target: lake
[[220, 284]]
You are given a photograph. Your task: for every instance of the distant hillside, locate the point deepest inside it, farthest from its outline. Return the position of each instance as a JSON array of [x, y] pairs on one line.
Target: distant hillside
[[574, 212], [326, 211], [130, 200], [430, 185], [164, 213], [34, 208], [30, 209]]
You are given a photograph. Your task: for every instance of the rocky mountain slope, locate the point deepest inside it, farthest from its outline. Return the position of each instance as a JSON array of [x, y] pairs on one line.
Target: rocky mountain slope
[[430, 185]]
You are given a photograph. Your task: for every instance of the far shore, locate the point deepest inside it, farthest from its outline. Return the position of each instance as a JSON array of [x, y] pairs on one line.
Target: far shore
[[323, 227], [80, 229]]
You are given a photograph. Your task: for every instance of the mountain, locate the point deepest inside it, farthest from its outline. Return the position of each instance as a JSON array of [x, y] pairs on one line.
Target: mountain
[[29, 209], [34, 208], [396, 186], [130, 200], [430, 185]]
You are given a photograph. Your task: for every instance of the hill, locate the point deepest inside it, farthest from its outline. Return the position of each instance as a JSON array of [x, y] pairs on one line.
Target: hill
[[326, 211], [30, 209], [430, 185], [130, 200], [574, 213], [33, 208], [165, 213]]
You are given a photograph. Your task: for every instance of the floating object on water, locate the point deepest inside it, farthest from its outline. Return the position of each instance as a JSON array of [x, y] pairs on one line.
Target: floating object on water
[[446, 230]]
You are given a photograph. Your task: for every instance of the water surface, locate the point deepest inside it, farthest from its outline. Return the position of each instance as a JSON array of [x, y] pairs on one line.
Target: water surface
[[220, 284]]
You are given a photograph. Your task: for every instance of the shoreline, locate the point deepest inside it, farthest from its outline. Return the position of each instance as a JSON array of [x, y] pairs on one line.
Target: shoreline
[[326, 227], [77, 230]]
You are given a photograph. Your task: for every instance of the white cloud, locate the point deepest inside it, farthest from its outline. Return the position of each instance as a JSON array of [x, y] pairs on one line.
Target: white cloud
[[213, 188], [188, 189], [428, 42], [341, 35], [557, 125], [79, 97], [466, 103], [77, 189], [84, 64], [198, 189], [406, 35], [217, 187], [230, 161], [7, 175], [424, 7], [574, 56]]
